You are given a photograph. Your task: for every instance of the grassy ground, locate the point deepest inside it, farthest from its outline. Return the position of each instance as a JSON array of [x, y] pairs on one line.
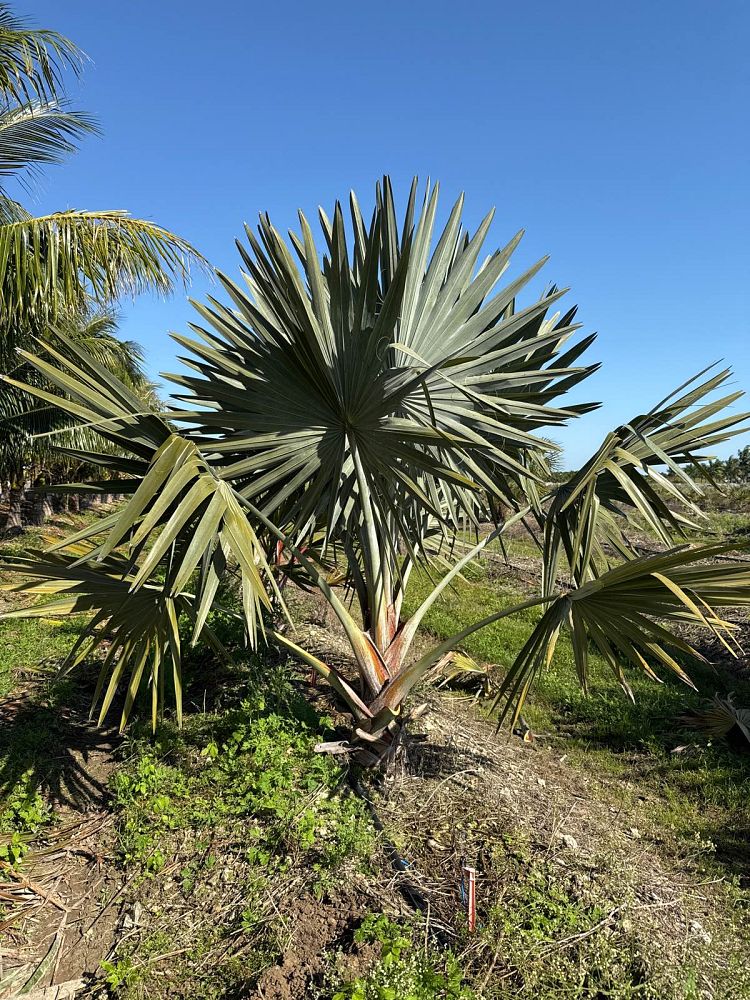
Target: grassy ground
[[703, 786], [28, 646], [240, 863]]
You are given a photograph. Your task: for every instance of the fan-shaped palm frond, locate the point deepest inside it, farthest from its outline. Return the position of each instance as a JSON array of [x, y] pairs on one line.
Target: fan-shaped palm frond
[[199, 519], [629, 615], [722, 718], [138, 628], [385, 393], [643, 471]]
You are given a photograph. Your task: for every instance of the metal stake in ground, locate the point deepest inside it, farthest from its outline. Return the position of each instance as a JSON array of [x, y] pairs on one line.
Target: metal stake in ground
[[469, 876]]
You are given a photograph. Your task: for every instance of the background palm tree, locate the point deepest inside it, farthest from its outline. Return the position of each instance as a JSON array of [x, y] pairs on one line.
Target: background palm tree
[[59, 269], [40, 444]]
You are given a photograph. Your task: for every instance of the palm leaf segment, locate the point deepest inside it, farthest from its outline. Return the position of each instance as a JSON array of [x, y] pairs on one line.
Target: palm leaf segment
[[623, 602], [140, 628], [52, 264], [628, 615], [639, 477], [31, 434]]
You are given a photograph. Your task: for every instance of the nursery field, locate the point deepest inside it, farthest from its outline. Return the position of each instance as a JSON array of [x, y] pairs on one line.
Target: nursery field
[[321, 678], [229, 859]]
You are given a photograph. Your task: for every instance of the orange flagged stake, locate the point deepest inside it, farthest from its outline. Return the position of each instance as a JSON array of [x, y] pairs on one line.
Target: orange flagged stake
[[470, 883]]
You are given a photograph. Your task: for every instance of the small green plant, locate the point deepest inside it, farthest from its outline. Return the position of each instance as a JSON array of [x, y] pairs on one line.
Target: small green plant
[[405, 970], [22, 815], [256, 764], [242, 790], [120, 975], [13, 849]]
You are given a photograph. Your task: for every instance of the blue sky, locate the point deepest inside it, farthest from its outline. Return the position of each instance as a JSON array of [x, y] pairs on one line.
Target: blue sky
[[615, 134]]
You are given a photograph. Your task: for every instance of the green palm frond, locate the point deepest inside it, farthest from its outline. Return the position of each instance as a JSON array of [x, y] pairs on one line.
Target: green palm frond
[[33, 61], [41, 132], [54, 264], [96, 333], [137, 629], [94, 396], [39, 433], [631, 615], [199, 519], [643, 473]]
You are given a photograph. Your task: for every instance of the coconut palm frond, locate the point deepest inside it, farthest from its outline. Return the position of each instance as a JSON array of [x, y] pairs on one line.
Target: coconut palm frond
[[55, 264], [33, 61], [42, 132]]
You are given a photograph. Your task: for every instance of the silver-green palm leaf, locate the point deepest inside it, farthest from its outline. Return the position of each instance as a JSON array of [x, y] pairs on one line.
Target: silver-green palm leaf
[[389, 370]]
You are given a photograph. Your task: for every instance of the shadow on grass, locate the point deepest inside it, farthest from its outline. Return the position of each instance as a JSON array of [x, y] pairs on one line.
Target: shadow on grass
[[53, 751]]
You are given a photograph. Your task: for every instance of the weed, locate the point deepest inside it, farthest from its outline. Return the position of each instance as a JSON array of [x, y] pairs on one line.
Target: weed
[[120, 975], [250, 804], [406, 970]]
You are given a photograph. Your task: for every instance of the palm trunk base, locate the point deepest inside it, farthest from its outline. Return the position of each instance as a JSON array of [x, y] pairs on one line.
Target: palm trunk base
[[14, 514], [379, 751]]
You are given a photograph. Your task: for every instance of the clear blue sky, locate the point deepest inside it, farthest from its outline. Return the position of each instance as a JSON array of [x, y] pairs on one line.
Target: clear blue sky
[[616, 134]]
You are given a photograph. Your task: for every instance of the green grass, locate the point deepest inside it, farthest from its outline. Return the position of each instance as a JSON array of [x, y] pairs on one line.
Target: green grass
[[37, 766], [731, 524], [27, 645], [239, 792], [254, 763], [704, 790], [562, 931]]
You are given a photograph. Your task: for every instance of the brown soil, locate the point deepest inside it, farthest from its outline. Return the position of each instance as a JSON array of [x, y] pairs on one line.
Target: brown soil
[[60, 920], [314, 927]]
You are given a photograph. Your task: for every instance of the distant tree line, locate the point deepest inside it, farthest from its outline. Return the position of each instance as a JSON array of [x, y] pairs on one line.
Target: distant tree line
[[734, 470]]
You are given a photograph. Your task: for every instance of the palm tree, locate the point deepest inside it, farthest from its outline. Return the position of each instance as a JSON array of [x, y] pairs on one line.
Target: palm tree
[[53, 264], [40, 444], [378, 406], [60, 268]]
